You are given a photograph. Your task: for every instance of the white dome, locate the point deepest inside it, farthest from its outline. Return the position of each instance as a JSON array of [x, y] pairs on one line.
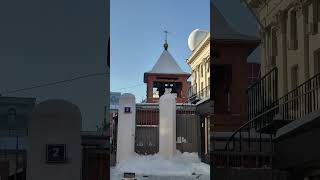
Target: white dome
[[195, 37]]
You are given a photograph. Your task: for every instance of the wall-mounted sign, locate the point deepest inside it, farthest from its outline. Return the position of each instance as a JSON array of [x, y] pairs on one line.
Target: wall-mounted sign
[[127, 109], [56, 153]]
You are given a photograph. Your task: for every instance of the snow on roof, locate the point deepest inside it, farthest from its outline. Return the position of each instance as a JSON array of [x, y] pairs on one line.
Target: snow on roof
[[223, 31], [167, 65]]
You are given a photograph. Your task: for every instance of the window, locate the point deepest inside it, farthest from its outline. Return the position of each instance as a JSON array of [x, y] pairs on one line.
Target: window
[[274, 45], [198, 71], [317, 62], [207, 134], [155, 93], [293, 30], [201, 70], [12, 114], [229, 101], [294, 76], [201, 90], [294, 104], [313, 17], [316, 10]]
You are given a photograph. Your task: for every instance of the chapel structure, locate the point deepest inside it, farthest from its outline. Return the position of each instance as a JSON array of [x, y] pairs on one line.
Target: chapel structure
[[166, 75]]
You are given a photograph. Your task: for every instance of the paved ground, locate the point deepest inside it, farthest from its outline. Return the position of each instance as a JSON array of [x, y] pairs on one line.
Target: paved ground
[[194, 177]]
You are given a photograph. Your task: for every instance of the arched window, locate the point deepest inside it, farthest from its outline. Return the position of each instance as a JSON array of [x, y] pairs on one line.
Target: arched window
[[12, 114]]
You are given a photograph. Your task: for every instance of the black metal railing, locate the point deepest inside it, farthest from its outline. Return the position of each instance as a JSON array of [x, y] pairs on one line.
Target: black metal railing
[[301, 101], [195, 96], [226, 159], [256, 136], [263, 94], [247, 147], [296, 104]]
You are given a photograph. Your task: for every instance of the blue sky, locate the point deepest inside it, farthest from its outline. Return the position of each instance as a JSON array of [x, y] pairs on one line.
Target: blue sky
[[137, 37]]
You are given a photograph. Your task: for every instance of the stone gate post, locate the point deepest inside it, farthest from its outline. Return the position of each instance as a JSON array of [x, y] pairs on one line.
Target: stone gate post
[[126, 127], [167, 125]]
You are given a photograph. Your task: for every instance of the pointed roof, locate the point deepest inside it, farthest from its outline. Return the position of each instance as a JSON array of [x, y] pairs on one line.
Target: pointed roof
[[166, 65], [222, 30]]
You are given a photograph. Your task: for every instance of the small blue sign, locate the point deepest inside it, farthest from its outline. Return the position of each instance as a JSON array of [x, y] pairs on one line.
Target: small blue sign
[[127, 109], [56, 153]]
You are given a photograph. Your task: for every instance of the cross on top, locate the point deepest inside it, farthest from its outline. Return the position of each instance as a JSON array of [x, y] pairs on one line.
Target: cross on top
[[166, 35], [166, 38]]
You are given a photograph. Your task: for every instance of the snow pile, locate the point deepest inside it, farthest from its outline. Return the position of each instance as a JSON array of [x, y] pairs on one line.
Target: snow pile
[[182, 164]]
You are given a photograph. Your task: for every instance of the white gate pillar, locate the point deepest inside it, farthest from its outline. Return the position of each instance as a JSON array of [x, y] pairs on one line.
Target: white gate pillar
[[167, 125], [126, 127]]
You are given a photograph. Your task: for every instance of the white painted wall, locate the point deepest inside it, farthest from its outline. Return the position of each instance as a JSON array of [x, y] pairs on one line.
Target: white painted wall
[[167, 126], [54, 122], [126, 127]]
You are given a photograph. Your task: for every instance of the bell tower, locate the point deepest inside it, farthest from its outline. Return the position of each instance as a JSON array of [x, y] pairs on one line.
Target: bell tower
[[166, 76]]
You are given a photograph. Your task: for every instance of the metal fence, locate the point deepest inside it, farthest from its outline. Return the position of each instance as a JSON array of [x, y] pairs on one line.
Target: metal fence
[[187, 130], [147, 130]]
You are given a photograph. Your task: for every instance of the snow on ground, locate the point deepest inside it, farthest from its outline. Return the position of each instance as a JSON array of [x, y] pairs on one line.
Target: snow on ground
[[181, 165]]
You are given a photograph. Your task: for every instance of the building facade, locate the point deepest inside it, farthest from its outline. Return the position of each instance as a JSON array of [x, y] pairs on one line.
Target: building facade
[[291, 40], [284, 103], [199, 92], [199, 62], [232, 74]]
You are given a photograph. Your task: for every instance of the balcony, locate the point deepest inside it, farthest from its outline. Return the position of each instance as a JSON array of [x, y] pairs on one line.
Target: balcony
[[195, 96]]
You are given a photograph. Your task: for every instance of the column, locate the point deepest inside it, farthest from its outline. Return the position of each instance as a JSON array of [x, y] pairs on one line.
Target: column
[[126, 127], [167, 126]]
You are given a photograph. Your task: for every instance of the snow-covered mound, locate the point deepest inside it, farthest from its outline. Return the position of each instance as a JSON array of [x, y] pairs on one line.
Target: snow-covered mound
[[182, 164]]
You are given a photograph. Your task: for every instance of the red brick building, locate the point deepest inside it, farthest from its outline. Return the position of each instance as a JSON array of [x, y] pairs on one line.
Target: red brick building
[[232, 75]]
